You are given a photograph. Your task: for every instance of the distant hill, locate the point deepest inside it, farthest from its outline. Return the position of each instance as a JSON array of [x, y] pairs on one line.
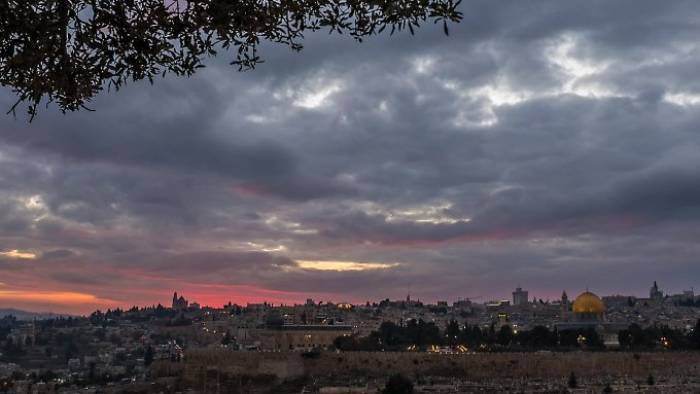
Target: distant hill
[[26, 315]]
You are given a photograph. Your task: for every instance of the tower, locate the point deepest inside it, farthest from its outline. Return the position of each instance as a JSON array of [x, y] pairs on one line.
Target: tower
[[179, 303], [654, 292], [520, 297], [564, 305]]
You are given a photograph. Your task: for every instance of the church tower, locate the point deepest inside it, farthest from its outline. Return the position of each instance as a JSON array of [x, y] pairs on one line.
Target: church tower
[[654, 293]]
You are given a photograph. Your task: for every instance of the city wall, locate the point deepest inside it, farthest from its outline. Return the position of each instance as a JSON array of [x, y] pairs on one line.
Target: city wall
[[481, 366]]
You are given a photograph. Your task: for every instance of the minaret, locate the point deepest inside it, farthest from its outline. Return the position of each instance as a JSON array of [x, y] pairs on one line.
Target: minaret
[[174, 300], [564, 306]]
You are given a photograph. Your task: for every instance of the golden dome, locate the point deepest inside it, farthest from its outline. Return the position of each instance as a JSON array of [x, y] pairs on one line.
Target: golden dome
[[588, 303]]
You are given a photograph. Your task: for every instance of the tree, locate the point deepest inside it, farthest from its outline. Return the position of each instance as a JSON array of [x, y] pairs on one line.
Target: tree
[[540, 337], [694, 337], [100, 334], [67, 51], [474, 336], [398, 384], [70, 349], [115, 339], [391, 335], [148, 356], [452, 332], [226, 340], [6, 384], [505, 335], [573, 383], [624, 337], [91, 372], [12, 350], [345, 343]]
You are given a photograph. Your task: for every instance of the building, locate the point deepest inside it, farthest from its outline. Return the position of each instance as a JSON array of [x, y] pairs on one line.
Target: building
[[520, 297], [655, 294], [689, 295], [300, 337], [588, 311], [25, 335], [495, 305], [565, 306], [588, 308], [179, 303]]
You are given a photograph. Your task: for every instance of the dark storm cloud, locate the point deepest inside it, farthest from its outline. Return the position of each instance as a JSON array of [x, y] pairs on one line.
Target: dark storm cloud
[[219, 263], [539, 143], [174, 135], [58, 254]]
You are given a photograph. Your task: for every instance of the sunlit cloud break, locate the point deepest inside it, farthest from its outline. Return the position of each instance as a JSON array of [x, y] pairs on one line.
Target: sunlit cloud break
[[53, 297], [19, 254], [342, 265]]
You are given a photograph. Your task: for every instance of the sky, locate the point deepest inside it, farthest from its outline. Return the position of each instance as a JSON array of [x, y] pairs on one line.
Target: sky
[[550, 145]]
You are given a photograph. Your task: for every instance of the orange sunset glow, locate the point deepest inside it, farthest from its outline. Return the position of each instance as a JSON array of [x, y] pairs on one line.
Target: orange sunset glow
[[510, 151]]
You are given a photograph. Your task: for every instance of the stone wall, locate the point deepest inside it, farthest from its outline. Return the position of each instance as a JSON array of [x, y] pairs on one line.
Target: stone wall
[[468, 366]]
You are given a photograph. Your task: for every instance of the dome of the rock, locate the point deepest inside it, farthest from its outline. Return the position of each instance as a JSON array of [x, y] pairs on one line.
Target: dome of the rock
[[588, 302]]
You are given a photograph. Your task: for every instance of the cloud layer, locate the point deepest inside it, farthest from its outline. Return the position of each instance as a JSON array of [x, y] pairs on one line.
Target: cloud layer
[[552, 145]]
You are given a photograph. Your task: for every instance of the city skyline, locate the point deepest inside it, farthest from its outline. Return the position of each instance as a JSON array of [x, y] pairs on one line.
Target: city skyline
[[553, 146], [214, 301]]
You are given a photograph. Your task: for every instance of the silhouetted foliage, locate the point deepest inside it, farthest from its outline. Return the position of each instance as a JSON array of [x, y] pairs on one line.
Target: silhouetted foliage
[[419, 335], [92, 368], [7, 323], [67, 51], [505, 336], [398, 384], [650, 380], [573, 382], [694, 337], [6, 385], [688, 302], [148, 355], [70, 349], [61, 322], [637, 338], [12, 350], [227, 339], [539, 337], [452, 333], [179, 321], [587, 338], [312, 354]]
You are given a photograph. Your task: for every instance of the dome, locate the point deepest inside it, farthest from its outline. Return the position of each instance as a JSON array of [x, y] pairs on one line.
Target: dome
[[588, 303]]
